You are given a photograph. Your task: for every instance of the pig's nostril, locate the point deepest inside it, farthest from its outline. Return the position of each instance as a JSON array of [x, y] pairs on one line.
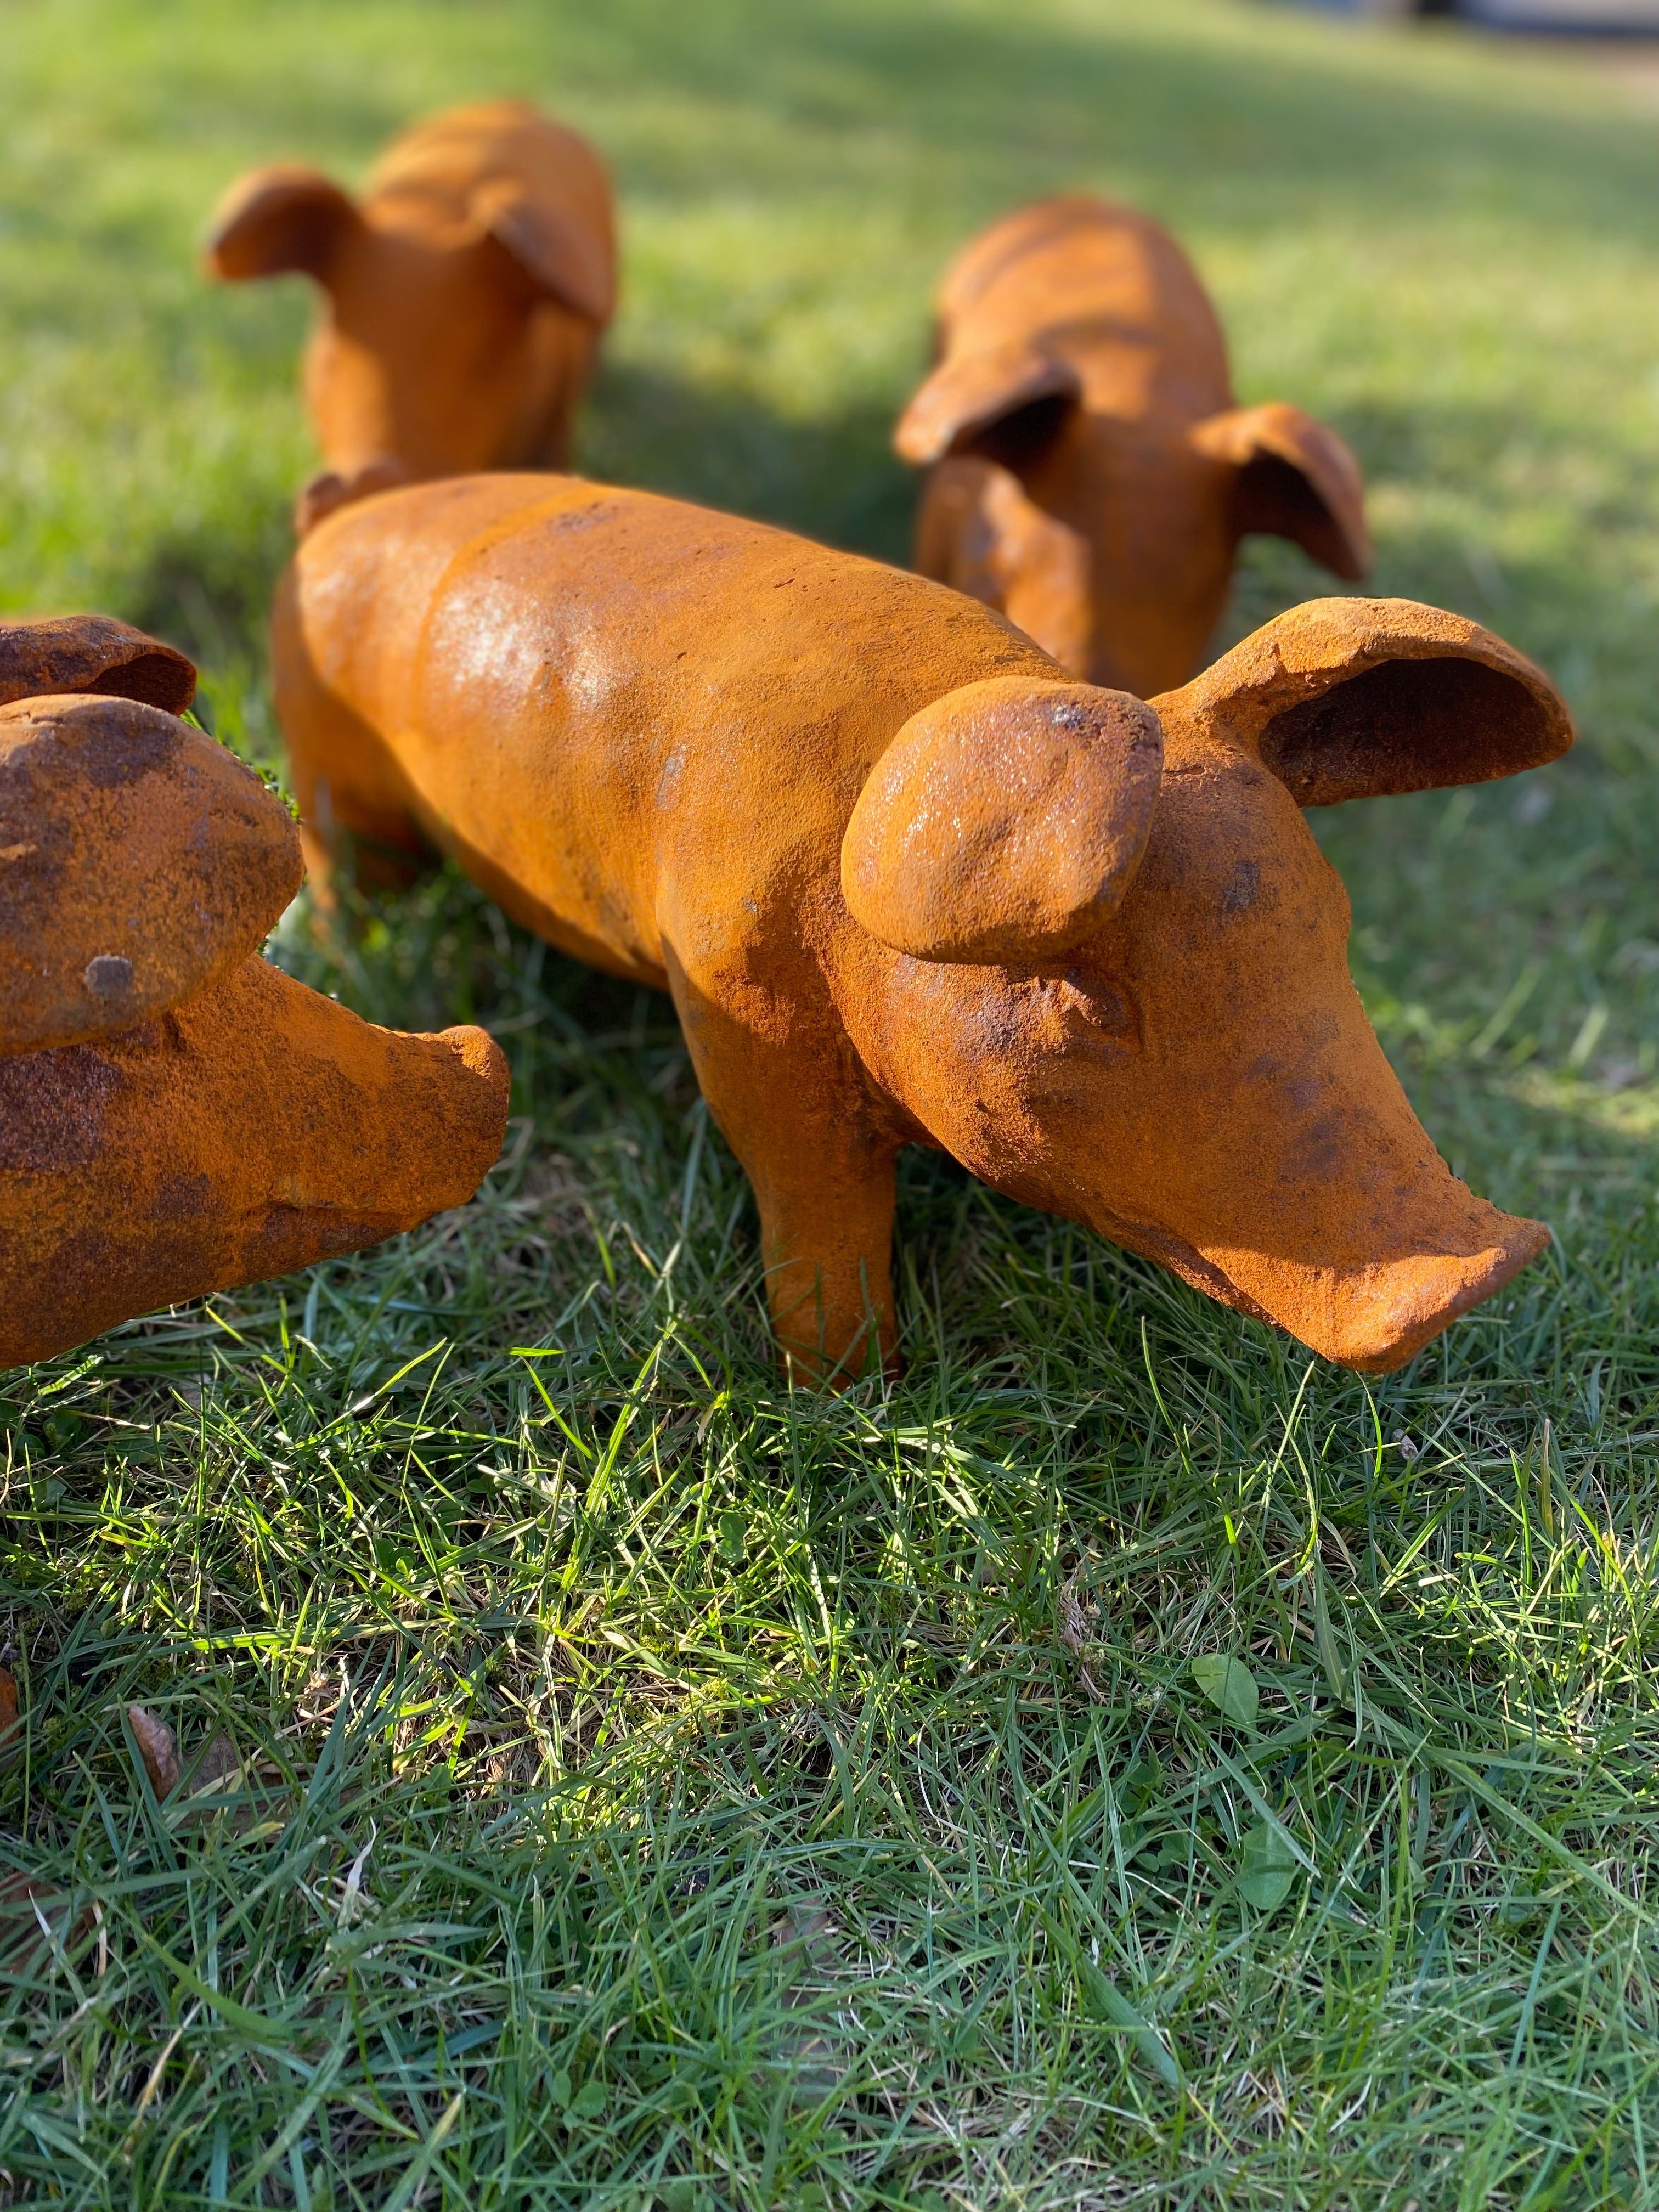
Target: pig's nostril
[[108, 976]]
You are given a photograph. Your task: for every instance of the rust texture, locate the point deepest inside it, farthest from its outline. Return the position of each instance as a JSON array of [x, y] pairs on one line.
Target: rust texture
[[139, 861], [463, 295], [176, 1116], [909, 882], [1090, 474], [90, 653]]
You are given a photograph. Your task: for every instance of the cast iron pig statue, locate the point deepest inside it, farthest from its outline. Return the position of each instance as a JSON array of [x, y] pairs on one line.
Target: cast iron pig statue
[[909, 883], [463, 295], [1090, 476], [176, 1116]]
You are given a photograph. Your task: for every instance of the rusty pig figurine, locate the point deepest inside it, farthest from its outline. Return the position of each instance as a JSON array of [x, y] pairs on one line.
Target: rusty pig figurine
[[177, 1115], [463, 295], [910, 883], [1089, 474]]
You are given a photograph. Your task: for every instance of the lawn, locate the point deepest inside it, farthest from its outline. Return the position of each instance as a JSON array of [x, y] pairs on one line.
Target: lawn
[[618, 1781]]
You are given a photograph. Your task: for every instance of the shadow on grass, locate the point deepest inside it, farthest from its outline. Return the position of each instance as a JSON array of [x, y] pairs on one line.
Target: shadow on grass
[[663, 1789], [210, 592], [830, 476]]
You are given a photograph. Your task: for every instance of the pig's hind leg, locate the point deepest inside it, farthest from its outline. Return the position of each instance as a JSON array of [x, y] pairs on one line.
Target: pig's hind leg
[[822, 1178]]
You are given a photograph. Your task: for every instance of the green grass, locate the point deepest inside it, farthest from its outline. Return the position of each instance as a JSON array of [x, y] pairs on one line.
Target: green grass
[[658, 1788]]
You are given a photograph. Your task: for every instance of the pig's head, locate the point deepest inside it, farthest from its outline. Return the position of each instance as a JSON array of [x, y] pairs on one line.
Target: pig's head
[[429, 357], [1115, 982], [176, 1116], [1111, 529]]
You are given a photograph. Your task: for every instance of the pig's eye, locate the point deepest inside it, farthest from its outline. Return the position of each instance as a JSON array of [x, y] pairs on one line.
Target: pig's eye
[[1105, 1007]]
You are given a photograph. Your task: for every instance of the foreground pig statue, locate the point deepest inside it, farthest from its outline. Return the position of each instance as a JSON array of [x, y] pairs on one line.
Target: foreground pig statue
[[463, 296], [176, 1116], [909, 883], [1089, 474]]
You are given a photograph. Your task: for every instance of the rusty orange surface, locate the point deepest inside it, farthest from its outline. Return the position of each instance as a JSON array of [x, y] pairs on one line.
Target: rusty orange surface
[[463, 295], [909, 882], [90, 653], [139, 861], [1089, 471], [176, 1116]]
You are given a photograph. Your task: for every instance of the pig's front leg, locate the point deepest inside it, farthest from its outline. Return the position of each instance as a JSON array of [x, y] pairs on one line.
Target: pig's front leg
[[352, 794], [822, 1177], [979, 532], [826, 1214]]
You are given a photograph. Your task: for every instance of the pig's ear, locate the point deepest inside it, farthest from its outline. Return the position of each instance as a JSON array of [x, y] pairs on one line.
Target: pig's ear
[[91, 652], [277, 219], [1006, 404], [562, 256], [1292, 478], [1004, 822], [1365, 698], [143, 861]]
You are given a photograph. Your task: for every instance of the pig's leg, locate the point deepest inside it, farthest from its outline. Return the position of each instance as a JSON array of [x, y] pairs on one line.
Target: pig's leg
[[947, 523], [979, 532], [822, 1178], [826, 1212], [561, 350], [351, 794]]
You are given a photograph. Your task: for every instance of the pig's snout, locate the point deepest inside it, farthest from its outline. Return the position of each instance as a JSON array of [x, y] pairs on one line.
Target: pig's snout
[[1374, 1318], [331, 490], [257, 1129], [385, 1129], [466, 1140]]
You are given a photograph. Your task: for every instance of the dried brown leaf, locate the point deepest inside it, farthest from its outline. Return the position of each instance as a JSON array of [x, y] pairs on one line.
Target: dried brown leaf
[[11, 1735], [220, 1764], [158, 1748], [1073, 1624], [1074, 1635], [32, 1913]]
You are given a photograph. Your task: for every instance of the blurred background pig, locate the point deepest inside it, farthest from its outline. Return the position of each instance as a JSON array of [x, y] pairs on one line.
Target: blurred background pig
[[463, 295], [1090, 474]]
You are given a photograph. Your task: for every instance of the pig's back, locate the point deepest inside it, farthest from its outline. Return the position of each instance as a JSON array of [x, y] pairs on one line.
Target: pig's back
[[437, 170], [611, 694], [1109, 288]]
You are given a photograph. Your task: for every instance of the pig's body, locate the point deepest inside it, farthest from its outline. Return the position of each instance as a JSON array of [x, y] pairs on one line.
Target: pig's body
[[573, 721], [463, 295], [1090, 474], [907, 883]]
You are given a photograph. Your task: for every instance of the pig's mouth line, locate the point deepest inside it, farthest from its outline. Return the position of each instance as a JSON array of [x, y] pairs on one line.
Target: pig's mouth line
[[275, 1203], [1182, 1259]]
